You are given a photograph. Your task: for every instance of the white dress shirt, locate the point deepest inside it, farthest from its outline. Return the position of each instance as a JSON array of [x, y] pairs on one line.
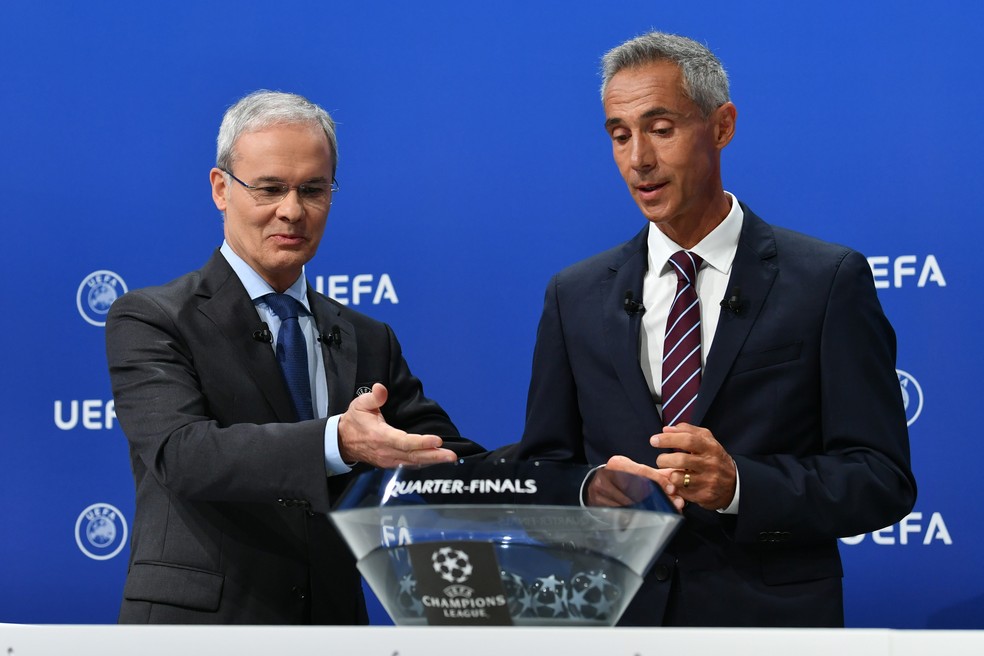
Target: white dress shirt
[[659, 286]]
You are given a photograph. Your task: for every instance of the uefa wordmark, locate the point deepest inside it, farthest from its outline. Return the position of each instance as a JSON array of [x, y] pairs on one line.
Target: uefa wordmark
[[359, 289], [906, 270]]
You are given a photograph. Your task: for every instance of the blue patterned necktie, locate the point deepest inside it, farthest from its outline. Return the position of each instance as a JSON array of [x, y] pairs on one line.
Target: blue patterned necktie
[[681, 347], [292, 352]]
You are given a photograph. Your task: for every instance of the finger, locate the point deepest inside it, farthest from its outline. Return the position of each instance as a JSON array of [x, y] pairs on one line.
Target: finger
[[683, 437], [604, 500], [628, 466], [380, 394], [609, 496], [623, 464], [681, 427], [603, 491], [684, 480], [658, 476], [675, 460], [410, 442], [431, 456], [372, 401]]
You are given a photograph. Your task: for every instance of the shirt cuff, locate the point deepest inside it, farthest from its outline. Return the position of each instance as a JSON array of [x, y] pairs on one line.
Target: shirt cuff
[[333, 457], [583, 492]]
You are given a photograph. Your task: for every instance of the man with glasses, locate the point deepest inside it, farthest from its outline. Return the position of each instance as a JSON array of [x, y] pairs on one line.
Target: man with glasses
[[249, 400]]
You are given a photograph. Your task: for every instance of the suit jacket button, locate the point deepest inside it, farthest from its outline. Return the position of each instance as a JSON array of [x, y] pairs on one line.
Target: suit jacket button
[[661, 572], [299, 593]]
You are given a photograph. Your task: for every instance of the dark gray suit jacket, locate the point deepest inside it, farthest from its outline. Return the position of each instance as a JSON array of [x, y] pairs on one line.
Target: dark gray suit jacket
[[799, 387], [231, 491]]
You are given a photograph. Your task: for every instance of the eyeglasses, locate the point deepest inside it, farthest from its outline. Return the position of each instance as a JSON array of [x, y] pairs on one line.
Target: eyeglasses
[[269, 192]]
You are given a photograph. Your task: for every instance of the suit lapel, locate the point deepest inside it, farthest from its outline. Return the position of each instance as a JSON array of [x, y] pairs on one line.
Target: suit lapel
[[754, 272], [341, 358], [226, 303], [622, 329]]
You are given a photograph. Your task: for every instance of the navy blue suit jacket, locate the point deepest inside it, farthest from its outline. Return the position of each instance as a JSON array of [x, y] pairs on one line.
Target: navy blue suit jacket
[[799, 387]]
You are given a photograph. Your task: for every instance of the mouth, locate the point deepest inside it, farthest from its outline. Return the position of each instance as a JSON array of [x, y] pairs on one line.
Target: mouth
[[650, 190], [288, 239]]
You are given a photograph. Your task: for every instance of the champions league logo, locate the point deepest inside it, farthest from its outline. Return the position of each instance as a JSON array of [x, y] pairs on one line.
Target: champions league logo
[[912, 396], [455, 583], [589, 595], [100, 531], [96, 293], [452, 564]]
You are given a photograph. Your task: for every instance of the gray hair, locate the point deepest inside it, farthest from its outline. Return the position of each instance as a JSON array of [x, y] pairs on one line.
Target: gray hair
[[262, 109], [704, 79]]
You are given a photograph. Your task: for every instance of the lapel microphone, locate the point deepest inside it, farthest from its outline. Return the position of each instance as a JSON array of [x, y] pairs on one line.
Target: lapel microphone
[[334, 338], [263, 335], [631, 305], [733, 303]]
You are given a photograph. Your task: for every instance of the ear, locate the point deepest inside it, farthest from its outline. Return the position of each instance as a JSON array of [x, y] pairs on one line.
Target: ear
[[220, 188], [723, 119]]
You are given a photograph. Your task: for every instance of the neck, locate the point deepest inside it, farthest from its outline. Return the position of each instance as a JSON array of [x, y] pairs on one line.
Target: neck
[[692, 229]]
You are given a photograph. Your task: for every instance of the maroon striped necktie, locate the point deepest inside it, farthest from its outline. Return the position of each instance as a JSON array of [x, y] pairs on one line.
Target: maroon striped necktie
[[681, 346]]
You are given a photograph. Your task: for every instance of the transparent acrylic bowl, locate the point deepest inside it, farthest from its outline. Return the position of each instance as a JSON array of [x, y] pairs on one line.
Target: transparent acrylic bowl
[[559, 562]]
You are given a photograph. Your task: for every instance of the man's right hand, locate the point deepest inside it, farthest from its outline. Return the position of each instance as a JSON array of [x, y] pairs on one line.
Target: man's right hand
[[611, 487], [364, 436]]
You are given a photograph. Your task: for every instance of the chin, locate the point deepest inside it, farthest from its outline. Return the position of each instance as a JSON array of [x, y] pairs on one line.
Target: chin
[[653, 217]]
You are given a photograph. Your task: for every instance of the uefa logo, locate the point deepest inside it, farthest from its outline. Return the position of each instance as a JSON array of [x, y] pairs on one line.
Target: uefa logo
[[100, 531], [96, 293], [912, 396]]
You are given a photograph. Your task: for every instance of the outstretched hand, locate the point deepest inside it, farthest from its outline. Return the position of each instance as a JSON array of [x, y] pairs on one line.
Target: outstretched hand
[[364, 436]]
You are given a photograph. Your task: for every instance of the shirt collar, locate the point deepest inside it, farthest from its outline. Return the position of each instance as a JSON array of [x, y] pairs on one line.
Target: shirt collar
[[255, 285], [717, 249]]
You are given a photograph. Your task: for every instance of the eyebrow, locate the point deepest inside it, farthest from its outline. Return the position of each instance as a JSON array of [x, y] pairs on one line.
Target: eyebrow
[[652, 113], [273, 178]]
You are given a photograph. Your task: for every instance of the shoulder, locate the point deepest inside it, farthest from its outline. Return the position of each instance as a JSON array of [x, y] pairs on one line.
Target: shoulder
[[818, 262], [169, 296], [186, 291], [602, 265], [796, 252], [793, 243]]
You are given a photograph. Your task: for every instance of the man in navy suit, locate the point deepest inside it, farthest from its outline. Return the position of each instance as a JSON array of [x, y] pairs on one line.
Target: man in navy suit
[[234, 471], [796, 435]]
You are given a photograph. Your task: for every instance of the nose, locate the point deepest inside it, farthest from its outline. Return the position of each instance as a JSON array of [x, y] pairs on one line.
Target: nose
[[290, 208], [643, 155]]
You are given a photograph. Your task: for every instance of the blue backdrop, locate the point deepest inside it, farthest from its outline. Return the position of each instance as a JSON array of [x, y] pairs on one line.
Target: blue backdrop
[[473, 165]]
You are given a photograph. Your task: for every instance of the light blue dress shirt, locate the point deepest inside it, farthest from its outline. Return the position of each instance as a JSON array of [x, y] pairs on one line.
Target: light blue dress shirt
[[257, 288]]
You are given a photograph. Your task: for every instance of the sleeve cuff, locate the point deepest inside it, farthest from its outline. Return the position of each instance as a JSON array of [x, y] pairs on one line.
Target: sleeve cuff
[[334, 464]]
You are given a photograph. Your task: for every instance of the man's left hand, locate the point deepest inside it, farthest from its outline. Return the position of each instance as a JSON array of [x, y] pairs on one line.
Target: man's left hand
[[705, 473]]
